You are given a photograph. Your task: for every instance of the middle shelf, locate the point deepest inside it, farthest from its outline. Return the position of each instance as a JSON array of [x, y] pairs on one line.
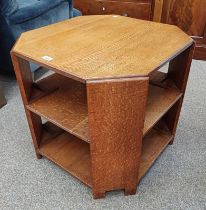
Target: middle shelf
[[65, 105]]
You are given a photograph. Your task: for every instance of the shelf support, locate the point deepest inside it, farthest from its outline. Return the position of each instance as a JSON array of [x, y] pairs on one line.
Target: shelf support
[[25, 81], [179, 68], [178, 71], [116, 110]]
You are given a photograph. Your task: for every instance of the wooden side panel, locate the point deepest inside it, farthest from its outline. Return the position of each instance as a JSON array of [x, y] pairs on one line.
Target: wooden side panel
[[116, 118], [179, 70], [25, 81], [172, 117], [24, 77]]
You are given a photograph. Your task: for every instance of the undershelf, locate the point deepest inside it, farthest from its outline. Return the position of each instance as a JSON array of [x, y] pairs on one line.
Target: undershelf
[[73, 155], [66, 104], [68, 152], [152, 146]]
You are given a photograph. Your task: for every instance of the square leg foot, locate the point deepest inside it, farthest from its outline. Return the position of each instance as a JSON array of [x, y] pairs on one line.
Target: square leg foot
[[130, 192], [98, 195], [39, 156], [171, 142]]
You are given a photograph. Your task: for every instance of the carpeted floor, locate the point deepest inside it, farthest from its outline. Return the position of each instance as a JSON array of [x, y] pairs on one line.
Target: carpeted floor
[[176, 181]]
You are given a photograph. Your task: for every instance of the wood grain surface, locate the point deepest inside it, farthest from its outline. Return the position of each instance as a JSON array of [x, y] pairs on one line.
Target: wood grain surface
[[24, 78], [127, 121], [160, 100], [152, 146], [179, 68], [116, 120], [96, 47], [178, 71], [70, 153], [67, 105]]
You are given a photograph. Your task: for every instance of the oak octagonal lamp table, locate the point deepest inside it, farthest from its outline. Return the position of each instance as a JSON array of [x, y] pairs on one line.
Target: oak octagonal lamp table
[[109, 111]]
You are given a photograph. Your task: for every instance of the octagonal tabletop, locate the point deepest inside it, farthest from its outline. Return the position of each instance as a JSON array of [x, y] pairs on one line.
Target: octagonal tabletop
[[97, 47]]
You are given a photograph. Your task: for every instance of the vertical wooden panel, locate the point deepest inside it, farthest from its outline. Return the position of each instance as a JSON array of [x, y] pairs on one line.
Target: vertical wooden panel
[[116, 119], [180, 66], [35, 125], [179, 69], [172, 116], [24, 77], [25, 81]]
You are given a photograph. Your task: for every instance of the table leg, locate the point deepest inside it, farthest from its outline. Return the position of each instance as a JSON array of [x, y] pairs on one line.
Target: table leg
[[178, 71], [25, 80], [116, 111]]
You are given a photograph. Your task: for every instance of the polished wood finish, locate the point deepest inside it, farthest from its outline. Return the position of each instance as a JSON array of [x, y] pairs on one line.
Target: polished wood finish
[[68, 152], [179, 68], [142, 9], [110, 112], [153, 145], [181, 63], [2, 98], [190, 16], [24, 78], [69, 97], [83, 50], [115, 136], [160, 100], [73, 155]]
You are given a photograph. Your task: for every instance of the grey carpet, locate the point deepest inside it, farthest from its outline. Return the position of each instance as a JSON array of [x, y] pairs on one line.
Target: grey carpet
[[176, 181]]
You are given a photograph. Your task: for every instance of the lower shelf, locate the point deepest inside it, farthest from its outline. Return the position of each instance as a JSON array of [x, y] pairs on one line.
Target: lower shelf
[[153, 145], [70, 153], [73, 155]]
